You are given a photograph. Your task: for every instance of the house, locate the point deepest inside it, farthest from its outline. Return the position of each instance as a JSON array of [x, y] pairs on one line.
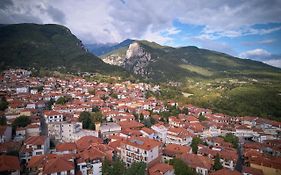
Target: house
[[148, 132], [161, 169], [90, 161], [226, 171], [9, 165], [251, 171], [202, 165], [5, 133], [58, 166], [35, 145], [66, 148], [138, 149], [53, 116], [171, 151], [109, 128], [179, 136], [244, 131], [160, 132]]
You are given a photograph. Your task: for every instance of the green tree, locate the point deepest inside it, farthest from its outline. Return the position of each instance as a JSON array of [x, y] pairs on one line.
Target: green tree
[[217, 163], [50, 104], [202, 118], [194, 144], [141, 117], [137, 168], [118, 168], [61, 101], [21, 121], [185, 111], [181, 168], [106, 167], [3, 120], [3, 104], [85, 118], [231, 138], [95, 109]]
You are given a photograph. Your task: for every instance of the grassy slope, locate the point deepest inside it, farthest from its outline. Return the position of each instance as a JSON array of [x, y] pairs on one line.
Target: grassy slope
[[48, 46]]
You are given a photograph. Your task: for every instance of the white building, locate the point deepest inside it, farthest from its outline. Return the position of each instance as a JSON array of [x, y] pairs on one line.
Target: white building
[[68, 132], [53, 116], [139, 149], [179, 136], [22, 90], [109, 128], [5, 133], [160, 132], [36, 145]]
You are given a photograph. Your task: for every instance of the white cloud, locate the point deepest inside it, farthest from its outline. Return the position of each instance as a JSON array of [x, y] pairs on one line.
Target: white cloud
[[113, 21], [274, 62], [258, 54]]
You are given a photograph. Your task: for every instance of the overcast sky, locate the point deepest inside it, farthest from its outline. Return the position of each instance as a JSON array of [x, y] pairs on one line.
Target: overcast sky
[[246, 28]]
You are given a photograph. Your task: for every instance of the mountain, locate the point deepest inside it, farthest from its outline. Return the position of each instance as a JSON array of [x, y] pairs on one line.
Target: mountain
[[156, 62], [47, 46], [101, 49]]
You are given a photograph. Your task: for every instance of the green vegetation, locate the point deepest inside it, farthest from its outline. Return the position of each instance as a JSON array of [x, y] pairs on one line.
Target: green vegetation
[[50, 47], [229, 137], [21, 121], [3, 104], [3, 120], [194, 144], [63, 100], [137, 168], [89, 119], [85, 118], [217, 164], [181, 168], [202, 118]]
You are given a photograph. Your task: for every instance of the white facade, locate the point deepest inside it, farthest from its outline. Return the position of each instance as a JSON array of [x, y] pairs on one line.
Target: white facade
[[160, 132], [130, 154], [53, 118], [22, 90], [68, 132], [90, 168], [6, 134]]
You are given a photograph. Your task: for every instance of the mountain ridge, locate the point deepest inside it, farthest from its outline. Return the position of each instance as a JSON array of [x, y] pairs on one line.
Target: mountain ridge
[[48, 46], [182, 62]]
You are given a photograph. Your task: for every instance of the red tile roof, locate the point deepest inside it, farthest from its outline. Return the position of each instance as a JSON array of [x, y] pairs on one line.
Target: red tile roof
[[194, 161], [86, 141], [36, 140], [57, 165], [160, 168], [9, 163], [142, 143], [175, 149], [66, 147], [225, 171]]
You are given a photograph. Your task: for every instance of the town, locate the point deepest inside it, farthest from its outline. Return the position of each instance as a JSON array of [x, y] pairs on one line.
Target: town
[[52, 125]]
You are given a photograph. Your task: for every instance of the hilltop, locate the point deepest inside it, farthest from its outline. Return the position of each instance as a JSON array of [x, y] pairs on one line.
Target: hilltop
[[47, 46]]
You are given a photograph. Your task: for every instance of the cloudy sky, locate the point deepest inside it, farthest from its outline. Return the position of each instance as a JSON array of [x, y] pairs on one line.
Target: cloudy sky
[[245, 28]]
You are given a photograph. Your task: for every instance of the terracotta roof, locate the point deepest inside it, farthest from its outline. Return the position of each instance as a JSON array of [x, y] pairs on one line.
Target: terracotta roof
[[66, 147], [9, 163], [36, 161], [160, 168], [86, 141], [36, 140], [147, 130], [51, 113], [225, 171], [142, 143], [175, 149], [57, 165], [194, 161], [251, 170], [130, 124]]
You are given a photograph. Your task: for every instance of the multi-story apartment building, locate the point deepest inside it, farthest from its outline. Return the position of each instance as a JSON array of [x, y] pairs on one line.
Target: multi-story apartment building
[[139, 149]]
